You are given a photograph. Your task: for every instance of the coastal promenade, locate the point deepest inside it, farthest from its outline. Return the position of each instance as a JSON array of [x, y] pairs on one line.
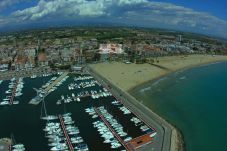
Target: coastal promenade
[[162, 141]]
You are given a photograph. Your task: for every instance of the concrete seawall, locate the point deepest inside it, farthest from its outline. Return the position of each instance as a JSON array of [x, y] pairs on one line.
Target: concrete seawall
[[165, 141]]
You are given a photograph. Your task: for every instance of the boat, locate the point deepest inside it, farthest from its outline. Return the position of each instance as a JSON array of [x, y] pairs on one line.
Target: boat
[[127, 139], [58, 102], [33, 76], [47, 117], [153, 134], [18, 146], [59, 146], [8, 92], [78, 99], [4, 103], [15, 102]]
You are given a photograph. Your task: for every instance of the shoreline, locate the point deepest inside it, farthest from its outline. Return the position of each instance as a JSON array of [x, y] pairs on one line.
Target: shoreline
[[179, 140], [145, 83], [177, 137]]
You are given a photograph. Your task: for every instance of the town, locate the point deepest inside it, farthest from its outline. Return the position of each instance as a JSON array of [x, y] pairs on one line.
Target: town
[[65, 48]]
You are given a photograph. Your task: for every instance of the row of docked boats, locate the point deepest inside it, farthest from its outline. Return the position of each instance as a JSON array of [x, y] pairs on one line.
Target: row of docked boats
[[41, 91], [124, 110], [18, 147], [82, 84], [113, 122], [135, 120], [56, 138], [15, 90], [82, 78], [104, 131], [106, 134], [68, 99], [34, 76], [77, 97], [100, 94]]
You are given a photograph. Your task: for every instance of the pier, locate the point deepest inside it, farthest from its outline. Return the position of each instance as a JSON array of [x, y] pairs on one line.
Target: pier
[[66, 134], [112, 130], [47, 89], [9, 147], [140, 141], [37, 99], [13, 93]]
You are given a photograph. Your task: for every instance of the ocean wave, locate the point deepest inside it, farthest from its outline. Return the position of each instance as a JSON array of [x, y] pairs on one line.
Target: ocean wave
[[182, 78], [145, 89], [158, 81]]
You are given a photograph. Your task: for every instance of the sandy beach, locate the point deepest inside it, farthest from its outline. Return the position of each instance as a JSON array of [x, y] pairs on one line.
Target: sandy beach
[[128, 76]]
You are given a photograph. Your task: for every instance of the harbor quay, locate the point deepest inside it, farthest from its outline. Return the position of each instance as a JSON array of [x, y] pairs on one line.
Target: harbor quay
[[41, 94], [164, 130]]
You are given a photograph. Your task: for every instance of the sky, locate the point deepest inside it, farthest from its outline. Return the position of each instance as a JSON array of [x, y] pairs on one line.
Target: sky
[[207, 17]]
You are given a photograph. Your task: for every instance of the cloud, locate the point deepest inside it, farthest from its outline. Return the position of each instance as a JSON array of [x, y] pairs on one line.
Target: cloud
[[133, 12], [92, 8]]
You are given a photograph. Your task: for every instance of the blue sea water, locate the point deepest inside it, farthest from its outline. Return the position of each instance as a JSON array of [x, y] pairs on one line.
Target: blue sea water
[[195, 101]]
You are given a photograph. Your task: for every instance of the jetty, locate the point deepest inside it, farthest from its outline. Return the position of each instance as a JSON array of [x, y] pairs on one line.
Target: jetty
[[112, 130], [13, 93], [66, 134], [37, 99], [55, 82]]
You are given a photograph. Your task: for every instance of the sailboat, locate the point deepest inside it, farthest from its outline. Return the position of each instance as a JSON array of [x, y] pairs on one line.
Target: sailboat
[[15, 146], [46, 117]]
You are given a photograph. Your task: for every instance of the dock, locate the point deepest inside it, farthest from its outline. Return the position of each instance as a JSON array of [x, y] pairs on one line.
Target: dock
[[13, 93], [37, 99], [140, 141], [55, 82], [66, 134], [112, 130]]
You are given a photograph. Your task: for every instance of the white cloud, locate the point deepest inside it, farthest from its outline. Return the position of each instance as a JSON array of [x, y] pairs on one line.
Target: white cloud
[[73, 7], [137, 12]]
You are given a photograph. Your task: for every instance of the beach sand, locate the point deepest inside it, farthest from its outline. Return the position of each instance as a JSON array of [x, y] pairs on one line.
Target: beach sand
[[128, 76]]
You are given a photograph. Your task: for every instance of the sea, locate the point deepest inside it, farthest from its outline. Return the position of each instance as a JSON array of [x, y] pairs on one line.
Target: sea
[[195, 101], [22, 122]]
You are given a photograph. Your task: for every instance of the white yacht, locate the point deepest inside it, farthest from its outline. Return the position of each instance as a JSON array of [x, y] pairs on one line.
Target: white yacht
[[33, 76], [4, 103]]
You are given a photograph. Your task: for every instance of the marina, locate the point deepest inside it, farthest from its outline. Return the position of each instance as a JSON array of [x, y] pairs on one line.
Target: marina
[[85, 117], [49, 87], [14, 91]]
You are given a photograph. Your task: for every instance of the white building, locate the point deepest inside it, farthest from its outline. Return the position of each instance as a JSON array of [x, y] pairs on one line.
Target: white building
[[111, 48]]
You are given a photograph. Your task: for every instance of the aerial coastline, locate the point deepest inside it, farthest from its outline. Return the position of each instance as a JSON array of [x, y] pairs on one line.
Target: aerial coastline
[[116, 75], [130, 79], [168, 65]]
